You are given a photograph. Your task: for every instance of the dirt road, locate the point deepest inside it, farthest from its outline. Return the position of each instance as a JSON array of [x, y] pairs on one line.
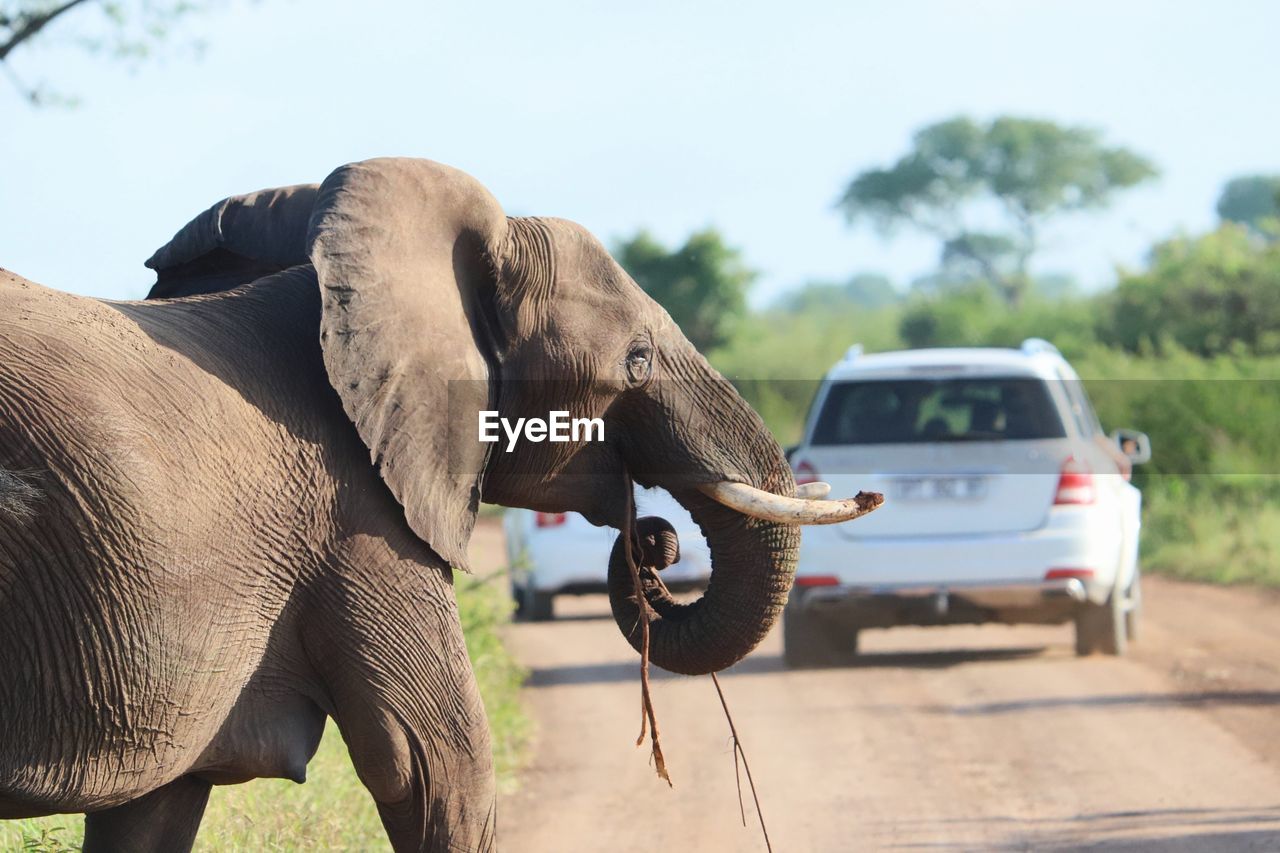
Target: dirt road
[[959, 738]]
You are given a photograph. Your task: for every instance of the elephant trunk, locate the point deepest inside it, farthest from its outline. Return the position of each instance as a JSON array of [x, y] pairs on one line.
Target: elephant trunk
[[752, 566], [714, 454]]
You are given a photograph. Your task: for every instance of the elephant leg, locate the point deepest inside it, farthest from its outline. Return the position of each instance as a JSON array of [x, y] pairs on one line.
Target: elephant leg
[[406, 701], [164, 820]]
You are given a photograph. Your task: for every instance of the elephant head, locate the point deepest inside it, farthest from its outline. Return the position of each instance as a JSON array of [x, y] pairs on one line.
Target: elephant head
[[437, 305]]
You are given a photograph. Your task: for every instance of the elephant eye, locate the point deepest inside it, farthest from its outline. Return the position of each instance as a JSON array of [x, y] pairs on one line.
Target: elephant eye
[[639, 364]]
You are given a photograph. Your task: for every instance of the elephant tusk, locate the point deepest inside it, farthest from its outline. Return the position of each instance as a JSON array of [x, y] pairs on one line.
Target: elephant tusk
[[815, 491], [757, 503]]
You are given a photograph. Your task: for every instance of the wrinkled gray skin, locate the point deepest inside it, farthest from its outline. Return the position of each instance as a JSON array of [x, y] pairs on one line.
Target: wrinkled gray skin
[[199, 562]]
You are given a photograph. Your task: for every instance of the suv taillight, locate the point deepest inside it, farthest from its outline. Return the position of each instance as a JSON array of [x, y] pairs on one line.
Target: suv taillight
[[549, 519], [1068, 574], [817, 580], [806, 473], [1075, 484]]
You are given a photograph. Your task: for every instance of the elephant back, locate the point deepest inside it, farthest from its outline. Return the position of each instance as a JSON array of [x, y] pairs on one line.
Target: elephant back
[[238, 240]]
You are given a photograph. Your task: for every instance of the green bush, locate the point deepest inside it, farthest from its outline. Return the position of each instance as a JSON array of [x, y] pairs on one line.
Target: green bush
[[1205, 416], [1222, 529], [975, 316], [1214, 294], [777, 357], [1210, 491]]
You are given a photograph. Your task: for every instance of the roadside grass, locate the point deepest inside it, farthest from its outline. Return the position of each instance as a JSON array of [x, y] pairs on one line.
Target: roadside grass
[[1217, 529], [1211, 494], [333, 811], [486, 607]]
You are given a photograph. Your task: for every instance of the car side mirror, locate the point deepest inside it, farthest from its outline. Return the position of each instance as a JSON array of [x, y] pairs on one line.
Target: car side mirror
[[1136, 445]]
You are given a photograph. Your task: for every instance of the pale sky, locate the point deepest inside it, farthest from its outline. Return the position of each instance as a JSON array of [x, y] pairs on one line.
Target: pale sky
[[669, 115]]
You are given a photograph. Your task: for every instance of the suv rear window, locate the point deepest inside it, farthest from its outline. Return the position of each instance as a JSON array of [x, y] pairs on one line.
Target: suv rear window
[[916, 411]]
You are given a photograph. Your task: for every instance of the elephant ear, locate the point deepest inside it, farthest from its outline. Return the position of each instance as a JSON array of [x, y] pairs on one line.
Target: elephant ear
[[405, 252], [238, 240]]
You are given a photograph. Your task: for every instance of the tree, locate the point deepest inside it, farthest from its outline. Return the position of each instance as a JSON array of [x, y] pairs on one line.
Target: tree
[[961, 317], [1252, 200], [961, 177], [703, 284], [1050, 286], [1212, 295], [124, 29], [864, 290]]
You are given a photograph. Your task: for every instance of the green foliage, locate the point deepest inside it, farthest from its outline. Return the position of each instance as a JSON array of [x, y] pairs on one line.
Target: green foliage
[[1023, 171], [960, 318], [1219, 293], [702, 284], [1031, 166], [1207, 417], [124, 29], [1216, 529], [333, 811], [925, 184], [1211, 493], [977, 255], [865, 290], [51, 838], [777, 357], [1252, 200], [972, 315]]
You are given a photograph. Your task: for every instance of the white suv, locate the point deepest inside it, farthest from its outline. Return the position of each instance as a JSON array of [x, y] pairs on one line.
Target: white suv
[[1004, 501]]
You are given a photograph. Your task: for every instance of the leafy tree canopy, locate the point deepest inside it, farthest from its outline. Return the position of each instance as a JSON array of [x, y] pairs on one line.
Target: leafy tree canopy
[[128, 29], [702, 284], [1251, 200], [1211, 295], [961, 176]]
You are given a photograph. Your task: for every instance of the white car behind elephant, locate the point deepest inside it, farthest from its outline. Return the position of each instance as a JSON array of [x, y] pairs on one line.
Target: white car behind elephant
[[1004, 501], [553, 554]]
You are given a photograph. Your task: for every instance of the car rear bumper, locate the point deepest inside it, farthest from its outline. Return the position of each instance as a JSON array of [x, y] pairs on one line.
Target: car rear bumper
[[997, 568], [1050, 601]]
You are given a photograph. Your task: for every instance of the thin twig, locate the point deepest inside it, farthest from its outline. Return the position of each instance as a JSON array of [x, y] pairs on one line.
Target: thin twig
[[739, 751], [648, 718], [737, 781]]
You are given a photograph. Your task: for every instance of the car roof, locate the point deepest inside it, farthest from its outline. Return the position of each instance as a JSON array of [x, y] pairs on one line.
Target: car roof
[[1034, 358]]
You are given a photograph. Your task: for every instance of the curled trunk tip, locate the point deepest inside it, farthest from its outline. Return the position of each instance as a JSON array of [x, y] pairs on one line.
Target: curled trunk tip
[[752, 567]]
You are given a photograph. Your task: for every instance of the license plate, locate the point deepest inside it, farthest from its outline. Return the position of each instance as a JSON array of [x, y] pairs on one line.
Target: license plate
[[957, 488]]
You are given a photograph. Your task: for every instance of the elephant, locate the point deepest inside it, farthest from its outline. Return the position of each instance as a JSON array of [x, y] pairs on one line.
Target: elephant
[[233, 510]]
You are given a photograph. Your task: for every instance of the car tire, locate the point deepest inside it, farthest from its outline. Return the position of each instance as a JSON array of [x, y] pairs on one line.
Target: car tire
[[812, 643], [1103, 628], [538, 606]]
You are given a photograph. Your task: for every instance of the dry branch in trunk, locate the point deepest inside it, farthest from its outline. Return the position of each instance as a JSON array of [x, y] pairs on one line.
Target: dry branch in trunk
[[648, 719]]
